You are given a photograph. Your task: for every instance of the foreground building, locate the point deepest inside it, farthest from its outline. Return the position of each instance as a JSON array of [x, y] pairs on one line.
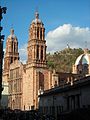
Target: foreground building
[[72, 94], [61, 100]]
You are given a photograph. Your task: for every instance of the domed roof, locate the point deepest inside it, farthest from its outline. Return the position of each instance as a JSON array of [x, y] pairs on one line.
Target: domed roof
[[37, 20], [83, 58], [12, 35]]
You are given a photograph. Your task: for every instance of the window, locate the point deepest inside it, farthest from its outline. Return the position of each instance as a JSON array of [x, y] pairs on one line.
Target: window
[[24, 107], [11, 60], [17, 72], [37, 51], [37, 33], [41, 80], [41, 52], [41, 34], [14, 48], [11, 74]]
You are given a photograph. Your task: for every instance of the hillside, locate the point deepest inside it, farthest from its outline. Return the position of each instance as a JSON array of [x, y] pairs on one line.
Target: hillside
[[63, 60]]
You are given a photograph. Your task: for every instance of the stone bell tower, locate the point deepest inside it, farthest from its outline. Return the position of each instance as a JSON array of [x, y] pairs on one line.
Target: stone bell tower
[[11, 50], [36, 43], [36, 67]]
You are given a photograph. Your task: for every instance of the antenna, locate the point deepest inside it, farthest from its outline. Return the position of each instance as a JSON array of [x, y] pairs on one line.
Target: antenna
[[36, 13]]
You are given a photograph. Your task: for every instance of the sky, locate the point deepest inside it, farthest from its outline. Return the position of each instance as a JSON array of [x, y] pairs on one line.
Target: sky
[[65, 21]]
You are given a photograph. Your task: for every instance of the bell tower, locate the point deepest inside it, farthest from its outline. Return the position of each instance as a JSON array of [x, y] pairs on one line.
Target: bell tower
[[11, 50], [36, 43]]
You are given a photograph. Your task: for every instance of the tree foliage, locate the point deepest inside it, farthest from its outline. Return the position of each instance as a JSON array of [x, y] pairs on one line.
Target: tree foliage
[[63, 60]]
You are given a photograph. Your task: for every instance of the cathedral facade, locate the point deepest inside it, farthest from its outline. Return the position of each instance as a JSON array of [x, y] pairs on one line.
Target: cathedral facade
[[27, 81]]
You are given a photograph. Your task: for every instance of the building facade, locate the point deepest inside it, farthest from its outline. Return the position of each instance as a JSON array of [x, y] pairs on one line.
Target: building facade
[[61, 100], [11, 55], [15, 85], [26, 81]]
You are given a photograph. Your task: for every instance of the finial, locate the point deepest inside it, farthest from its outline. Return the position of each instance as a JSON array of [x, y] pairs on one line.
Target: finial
[[36, 13], [12, 31]]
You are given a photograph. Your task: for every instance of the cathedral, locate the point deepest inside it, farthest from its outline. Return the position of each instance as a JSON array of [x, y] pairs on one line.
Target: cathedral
[[27, 81]]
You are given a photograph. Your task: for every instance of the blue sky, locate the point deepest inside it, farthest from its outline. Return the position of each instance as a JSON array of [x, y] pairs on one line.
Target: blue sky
[[54, 13]]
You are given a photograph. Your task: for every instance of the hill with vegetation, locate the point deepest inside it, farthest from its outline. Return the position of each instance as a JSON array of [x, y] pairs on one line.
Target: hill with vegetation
[[63, 60]]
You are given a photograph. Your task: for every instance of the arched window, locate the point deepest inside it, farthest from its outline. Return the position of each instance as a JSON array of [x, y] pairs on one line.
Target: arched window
[[41, 80], [41, 52], [14, 48], [11, 60], [37, 33], [41, 34], [24, 107], [37, 51]]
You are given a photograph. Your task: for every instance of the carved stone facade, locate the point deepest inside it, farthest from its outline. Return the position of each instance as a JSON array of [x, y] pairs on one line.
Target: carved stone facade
[[11, 50], [15, 85], [11, 54], [26, 81], [36, 69], [36, 44]]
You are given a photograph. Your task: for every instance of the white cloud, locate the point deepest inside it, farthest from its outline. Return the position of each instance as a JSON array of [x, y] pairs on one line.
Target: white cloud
[[58, 38], [23, 53]]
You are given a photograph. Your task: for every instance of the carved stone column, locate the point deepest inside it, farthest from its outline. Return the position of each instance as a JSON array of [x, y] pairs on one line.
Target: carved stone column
[[39, 33], [40, 52], [43, 52]]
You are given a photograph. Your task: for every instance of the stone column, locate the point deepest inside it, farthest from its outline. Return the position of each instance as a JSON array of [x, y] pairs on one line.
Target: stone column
[[35, 51], [44, 52], [42, 34], [39, 33], [40, 52], [36, 32]]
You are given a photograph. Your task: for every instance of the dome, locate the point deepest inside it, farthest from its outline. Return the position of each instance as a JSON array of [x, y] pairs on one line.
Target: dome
[[83, 59], [37, 20], [12, 35]]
